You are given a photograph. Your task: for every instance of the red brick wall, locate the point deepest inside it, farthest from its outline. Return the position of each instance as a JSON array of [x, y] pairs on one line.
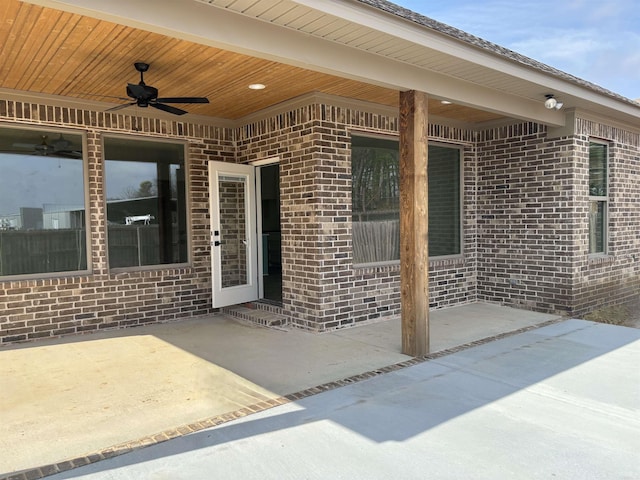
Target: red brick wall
[[615, 277], [533, 219], [322, 289], [57, 305], [526, 226], [524, 239]]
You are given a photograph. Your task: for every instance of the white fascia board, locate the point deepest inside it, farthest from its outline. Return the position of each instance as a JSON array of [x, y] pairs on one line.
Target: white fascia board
[[204, 24], [368, 16]]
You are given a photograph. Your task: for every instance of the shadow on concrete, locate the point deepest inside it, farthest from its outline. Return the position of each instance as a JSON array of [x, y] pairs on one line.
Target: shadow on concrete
[[405, 403], [96, 391]]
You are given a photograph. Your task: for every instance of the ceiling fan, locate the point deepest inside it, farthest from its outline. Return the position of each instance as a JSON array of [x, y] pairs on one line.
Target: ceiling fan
[[147, 96]]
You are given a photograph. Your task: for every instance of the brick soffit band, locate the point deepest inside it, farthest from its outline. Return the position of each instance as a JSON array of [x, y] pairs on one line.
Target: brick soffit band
[[313, 98]]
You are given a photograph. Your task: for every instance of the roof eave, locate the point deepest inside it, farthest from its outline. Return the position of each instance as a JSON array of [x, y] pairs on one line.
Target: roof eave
[[220, 27]]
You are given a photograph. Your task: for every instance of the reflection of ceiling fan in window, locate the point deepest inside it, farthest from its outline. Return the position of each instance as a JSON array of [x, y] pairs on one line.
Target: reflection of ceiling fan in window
[[59, 147]]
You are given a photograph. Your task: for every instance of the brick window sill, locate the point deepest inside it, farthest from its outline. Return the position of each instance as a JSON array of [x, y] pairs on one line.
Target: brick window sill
[[454, 261], [600, 259]]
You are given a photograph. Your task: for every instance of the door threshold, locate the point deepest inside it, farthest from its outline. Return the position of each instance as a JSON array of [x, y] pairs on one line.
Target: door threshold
[[268, 301], [258, 313]]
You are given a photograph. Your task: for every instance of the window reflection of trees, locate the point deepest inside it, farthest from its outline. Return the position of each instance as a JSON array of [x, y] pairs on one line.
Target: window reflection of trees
[[376, 183], [375, 170]]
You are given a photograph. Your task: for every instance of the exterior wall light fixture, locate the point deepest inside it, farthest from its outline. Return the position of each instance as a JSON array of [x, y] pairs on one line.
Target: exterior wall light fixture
[[551, 103]]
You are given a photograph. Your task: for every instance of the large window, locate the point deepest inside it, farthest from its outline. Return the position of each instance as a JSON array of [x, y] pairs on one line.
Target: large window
[[42, 202], [376, 200], [598, 197], [146, 202]]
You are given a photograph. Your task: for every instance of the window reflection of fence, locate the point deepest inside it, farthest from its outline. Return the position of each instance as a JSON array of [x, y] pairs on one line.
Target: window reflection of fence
[[376, 241], [133, 245], [25, 252], [42, 251]]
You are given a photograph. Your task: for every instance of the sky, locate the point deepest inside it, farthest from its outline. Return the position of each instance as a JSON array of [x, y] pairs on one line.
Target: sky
[[595, 40], [35, 181]]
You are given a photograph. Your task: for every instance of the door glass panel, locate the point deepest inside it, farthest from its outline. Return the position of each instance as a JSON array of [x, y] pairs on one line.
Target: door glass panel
[[271, 233], [233, 230]]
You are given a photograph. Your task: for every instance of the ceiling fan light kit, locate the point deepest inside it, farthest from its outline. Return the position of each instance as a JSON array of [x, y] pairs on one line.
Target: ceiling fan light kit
[[147, 96]]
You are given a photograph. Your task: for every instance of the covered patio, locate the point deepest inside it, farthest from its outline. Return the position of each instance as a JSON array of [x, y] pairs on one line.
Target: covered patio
[[62, 398], [123, 351], [338, 77]]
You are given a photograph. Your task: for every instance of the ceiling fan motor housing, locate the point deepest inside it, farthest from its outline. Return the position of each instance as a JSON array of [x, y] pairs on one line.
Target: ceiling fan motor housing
[[142, 93], [141, 66]]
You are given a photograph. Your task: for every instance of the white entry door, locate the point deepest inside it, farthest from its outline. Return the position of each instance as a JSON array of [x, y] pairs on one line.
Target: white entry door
[[234, 246]]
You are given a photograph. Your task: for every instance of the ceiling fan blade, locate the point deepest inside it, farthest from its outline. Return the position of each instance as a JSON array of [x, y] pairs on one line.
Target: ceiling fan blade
[[30, 146], [126, 99], [67, 154], [118, 107], [18, 152], [183, 100], [168, 108], [43, 146]]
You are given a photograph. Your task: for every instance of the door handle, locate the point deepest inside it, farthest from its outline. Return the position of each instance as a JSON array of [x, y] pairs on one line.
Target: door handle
[[216, 243]]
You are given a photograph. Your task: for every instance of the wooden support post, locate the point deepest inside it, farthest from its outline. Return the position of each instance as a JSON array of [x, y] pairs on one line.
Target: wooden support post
[[414, 223]]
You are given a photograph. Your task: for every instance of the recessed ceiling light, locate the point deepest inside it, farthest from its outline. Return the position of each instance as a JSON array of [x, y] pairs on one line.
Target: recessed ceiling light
[[445, 102], [257, 86]]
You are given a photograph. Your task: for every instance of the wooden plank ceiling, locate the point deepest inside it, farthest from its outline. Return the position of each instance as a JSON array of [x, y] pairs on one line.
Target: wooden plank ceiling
[[59, 53]]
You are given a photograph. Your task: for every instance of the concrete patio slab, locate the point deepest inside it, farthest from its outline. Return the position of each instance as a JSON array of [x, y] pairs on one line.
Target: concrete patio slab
[[556, 402], [66, 398]]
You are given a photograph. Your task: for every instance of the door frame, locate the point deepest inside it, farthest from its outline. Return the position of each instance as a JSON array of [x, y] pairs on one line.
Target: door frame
[[258, 164], [249, 291]]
